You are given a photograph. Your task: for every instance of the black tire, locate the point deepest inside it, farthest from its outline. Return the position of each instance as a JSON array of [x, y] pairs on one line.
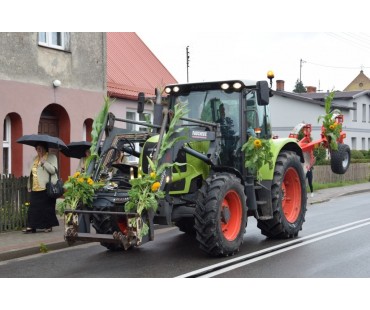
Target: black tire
[[340, 159], [106, 224], [186, 225], [221, 215], [289, 198]]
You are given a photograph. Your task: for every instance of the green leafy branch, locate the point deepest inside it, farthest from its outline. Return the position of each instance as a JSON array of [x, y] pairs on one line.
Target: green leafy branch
[[145, 190], [257, 154], [97, 128]]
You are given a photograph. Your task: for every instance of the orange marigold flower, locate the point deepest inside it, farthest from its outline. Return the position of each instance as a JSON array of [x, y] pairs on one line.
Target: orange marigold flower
[[80, 180], [257, 143], [332, 127], [90, 181], [77, 174], [155, 186]]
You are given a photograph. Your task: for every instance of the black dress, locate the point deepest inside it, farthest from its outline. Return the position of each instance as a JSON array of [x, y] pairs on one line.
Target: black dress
[[41, 211]]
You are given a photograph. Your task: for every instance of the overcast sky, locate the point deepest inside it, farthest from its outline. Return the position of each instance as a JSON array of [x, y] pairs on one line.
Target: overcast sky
[[329, 59]]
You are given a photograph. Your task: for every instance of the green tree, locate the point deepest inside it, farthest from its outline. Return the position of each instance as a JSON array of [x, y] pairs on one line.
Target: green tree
[[299, 88]]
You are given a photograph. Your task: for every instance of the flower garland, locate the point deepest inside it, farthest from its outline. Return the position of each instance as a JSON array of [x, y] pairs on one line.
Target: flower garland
[[145, 189], [332, 128], [257, 153]]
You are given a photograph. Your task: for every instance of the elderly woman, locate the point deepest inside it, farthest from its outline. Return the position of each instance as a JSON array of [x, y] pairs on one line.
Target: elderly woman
[[41, 211]]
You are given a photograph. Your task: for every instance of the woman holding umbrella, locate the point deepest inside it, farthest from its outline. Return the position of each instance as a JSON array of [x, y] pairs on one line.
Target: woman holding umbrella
[[41, 211]]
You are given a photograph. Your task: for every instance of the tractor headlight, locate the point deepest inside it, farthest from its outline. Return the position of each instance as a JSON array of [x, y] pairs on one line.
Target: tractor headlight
[[237, 85], [225, 86]]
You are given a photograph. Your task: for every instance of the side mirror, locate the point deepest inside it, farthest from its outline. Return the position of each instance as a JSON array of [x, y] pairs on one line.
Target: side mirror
[[140, 102], [263, 93]]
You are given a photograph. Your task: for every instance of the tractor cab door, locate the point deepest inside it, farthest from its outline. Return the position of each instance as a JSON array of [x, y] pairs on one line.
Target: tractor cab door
[[257, 118]]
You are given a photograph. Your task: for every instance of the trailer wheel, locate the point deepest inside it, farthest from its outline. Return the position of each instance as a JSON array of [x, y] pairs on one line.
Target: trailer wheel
[[289, 198], [340, 159], [221, 215]]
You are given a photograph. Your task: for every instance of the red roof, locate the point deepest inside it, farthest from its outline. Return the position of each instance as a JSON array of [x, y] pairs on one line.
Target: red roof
[[132, 67]]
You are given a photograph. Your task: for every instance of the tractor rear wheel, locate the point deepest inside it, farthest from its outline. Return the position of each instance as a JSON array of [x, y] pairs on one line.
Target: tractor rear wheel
[[289, 198], [221, 215], [340, 159]]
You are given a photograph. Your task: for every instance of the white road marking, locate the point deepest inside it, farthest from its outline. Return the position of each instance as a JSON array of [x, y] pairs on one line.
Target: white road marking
[[265, 253]]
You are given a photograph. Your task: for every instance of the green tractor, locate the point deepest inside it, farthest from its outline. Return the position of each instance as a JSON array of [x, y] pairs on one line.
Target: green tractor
[[209, 192]]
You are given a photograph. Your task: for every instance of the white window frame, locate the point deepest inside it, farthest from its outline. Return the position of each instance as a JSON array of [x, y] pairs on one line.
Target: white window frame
[[6, 143], [49, 40], [136, 127]]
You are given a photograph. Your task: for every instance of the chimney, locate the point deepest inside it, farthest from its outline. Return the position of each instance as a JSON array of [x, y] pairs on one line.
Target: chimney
[[311, 89], [280, 85]]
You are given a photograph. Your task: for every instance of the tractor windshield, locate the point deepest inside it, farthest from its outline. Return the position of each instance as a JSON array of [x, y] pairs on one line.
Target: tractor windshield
[[217, 106]]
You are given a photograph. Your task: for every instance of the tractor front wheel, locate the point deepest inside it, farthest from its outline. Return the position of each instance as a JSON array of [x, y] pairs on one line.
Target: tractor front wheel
[[221, 215], [289, 198]]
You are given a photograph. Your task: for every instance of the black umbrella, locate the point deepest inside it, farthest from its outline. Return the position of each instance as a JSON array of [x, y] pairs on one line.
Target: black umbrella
[[77, 149], [52, 142]]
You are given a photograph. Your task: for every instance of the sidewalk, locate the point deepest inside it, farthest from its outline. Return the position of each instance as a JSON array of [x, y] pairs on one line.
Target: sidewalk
[[15, 244]]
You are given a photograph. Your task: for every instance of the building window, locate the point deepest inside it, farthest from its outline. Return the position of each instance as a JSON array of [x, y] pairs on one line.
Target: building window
[[6, 146], [139, 117], [57, 40], [353, 142], [354, 111], [363, 144], [368, 109], [364, 113]]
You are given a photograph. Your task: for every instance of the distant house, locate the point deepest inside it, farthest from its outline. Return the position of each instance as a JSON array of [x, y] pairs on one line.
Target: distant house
[[361, 82], [289, 109], [50, 83]]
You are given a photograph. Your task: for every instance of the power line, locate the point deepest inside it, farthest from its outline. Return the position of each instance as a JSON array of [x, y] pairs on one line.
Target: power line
[[351, 38], [336, 67]]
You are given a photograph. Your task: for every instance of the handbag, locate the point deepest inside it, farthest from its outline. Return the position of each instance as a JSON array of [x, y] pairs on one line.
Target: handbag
[[55, 190]]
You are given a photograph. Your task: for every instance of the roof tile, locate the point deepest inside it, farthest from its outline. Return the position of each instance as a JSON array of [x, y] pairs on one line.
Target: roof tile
[[132, 67]]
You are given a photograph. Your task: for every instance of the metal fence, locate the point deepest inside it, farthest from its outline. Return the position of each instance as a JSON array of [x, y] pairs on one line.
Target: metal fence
[[13, 198]]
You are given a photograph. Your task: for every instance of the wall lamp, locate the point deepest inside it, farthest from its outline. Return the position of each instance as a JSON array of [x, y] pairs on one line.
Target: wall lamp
[[57, 83]]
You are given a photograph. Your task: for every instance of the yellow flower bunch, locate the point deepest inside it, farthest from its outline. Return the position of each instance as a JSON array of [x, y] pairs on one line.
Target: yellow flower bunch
[[80, 189], [257, 153]]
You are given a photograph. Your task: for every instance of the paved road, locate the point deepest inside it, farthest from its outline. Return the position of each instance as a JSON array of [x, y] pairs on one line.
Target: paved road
[[16, 244]]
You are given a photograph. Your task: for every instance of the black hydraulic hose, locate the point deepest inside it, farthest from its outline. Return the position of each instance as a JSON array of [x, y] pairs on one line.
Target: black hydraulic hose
[[197, 155]]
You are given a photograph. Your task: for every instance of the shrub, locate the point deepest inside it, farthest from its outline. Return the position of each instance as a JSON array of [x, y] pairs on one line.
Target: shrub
[[355, 154]]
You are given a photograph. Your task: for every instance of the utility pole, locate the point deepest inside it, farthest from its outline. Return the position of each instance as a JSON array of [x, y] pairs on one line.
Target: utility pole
[[300, 69], [187, 63]]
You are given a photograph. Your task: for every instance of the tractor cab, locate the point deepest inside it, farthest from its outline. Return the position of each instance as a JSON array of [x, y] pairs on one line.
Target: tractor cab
[[239, 107]]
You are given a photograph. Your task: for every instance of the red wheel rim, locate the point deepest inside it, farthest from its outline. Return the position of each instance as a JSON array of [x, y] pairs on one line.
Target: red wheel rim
[[122, 225], [292, 192], [231, 215]]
